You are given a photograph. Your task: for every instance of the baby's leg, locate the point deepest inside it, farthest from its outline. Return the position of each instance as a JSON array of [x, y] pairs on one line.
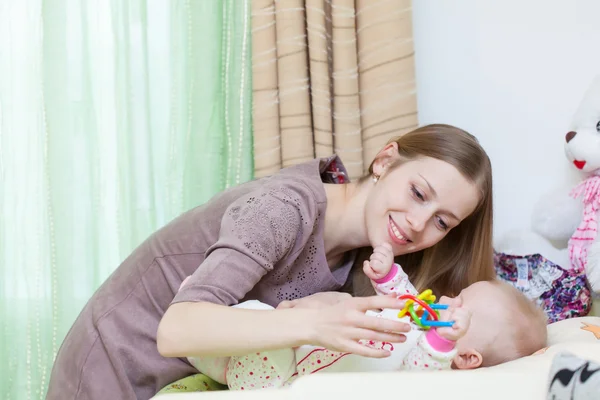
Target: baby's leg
[[267, 369], [216, 367], [213, 367]]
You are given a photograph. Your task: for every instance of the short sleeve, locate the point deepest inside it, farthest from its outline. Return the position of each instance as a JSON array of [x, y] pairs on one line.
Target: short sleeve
[[257, 232]]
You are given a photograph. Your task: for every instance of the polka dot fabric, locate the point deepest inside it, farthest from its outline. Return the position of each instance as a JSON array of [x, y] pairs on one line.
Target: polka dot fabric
[[317, 360], [397, 284], [263, 370], [424, 357]]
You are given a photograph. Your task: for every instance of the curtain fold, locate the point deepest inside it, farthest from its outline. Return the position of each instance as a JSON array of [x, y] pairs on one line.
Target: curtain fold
[[115, 117], [330, 76]]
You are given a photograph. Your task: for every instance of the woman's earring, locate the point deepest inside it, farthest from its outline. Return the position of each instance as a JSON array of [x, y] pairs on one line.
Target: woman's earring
[[375, 178]]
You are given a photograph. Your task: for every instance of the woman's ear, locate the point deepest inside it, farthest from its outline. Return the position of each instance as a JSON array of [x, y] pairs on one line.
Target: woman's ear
[[385, 157], [468, 359]]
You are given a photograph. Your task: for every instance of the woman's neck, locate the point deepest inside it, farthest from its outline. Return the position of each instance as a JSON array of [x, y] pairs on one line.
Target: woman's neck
[[345, 227]]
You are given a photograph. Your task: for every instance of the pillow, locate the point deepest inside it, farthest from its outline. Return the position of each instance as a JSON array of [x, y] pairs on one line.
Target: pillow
[[582, 329], [525, 378], [579, 337], [528, 376]]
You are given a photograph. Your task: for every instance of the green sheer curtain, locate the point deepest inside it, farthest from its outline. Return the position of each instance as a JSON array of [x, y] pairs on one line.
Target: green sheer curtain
[[115, 116]]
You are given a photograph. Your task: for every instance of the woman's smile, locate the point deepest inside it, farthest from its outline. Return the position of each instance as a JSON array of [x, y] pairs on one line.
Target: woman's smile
[[396, 233]]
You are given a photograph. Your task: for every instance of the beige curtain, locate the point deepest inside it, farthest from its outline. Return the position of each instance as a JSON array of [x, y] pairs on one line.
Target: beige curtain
[[330, 76]]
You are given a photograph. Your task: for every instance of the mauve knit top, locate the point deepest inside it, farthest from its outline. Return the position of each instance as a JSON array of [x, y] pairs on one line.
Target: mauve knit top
[[261, 240]]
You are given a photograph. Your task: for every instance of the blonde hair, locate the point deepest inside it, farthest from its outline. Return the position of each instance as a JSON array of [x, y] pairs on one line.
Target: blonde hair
[[527, 324], [465, 255]]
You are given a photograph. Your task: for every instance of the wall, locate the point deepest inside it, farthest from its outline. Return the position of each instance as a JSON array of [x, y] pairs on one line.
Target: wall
[[512, 73]]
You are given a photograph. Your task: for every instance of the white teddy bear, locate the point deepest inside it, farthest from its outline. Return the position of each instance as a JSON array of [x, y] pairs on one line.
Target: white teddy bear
[[565, 222]]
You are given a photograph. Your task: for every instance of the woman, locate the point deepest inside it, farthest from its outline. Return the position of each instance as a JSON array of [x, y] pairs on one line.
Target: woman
[[276, 239]]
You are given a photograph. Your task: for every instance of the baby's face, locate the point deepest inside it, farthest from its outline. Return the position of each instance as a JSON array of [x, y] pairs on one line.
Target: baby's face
[[489, 316]]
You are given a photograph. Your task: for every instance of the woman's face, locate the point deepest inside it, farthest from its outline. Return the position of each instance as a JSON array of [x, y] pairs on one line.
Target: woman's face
[[414, 205]]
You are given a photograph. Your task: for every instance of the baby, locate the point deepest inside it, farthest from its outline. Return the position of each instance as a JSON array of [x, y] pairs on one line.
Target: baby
[[492, 323]]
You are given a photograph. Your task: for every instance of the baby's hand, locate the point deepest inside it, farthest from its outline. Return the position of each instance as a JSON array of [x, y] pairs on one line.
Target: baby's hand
[[462, 320], [380, 263]]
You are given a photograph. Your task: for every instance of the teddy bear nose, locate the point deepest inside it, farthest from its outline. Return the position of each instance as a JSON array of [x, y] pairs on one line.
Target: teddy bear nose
[[570, 136]]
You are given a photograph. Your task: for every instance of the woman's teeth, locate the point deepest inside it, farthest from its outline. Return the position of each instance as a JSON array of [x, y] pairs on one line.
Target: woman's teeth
[[397, 233]]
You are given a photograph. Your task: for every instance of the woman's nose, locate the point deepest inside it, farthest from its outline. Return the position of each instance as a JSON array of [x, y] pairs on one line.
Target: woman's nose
[[418, 220]]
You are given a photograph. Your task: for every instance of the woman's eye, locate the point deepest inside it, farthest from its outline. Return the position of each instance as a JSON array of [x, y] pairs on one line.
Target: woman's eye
[[442, 224], [598, 126], [417, 194]]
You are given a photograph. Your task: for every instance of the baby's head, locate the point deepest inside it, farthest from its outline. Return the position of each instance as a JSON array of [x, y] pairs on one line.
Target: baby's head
[[505, 325]]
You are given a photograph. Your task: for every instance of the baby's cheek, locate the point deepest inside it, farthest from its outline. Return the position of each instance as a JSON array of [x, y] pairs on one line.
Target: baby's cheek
[[465, 342]]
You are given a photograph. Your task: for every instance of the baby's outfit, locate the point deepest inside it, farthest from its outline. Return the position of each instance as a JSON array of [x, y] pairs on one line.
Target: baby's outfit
[[276, 368]]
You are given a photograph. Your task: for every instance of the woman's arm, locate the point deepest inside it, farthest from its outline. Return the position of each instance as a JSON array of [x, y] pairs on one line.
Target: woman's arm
[[205, 329], [281, 330], [317, 300]]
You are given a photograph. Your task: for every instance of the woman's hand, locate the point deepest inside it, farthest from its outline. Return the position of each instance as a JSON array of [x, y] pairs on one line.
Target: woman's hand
[[340, 326], [317, 300]]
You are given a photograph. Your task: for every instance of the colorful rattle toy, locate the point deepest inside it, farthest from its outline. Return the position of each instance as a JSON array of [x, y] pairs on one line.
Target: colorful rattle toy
[[425, 302]]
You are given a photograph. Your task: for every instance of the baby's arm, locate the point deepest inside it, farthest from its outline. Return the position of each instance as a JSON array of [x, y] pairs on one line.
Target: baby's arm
[[436, 348], [386, 276], [396, 282], [431, 352]]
